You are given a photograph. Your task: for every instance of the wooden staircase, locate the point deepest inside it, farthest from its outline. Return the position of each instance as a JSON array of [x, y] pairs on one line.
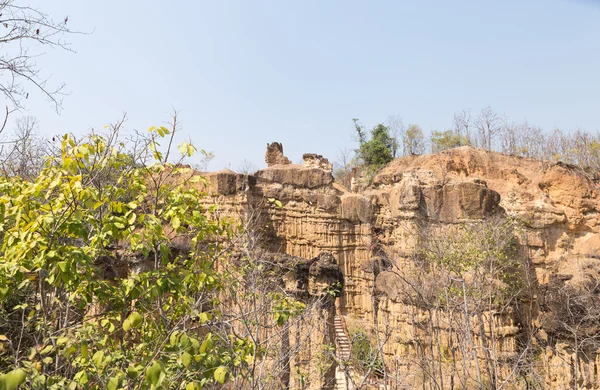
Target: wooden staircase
[[343, 351]]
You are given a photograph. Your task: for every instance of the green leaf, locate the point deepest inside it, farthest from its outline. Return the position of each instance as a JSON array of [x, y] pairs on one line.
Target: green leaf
[[153, 373], [84, 349], [98, 358], [173, 339], [184, 341], [134, 371], [220, 374], [186, 359], [63, 266], [113, 383], [176, 222], [46, 350], [187, 149], [61, 340], [192, 386], [207, 344], [135, 320], [203, 317], [81, 377], [12, 380]]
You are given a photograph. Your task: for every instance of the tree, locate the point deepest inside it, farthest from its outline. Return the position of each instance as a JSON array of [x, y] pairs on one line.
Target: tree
[[442, 140], [247, 167], [488, 124], [377, 151], [461, 283], [23, 30], [205, 158], [360, 131], [108, 274], [510, 137], [258, 303], [462, 125], [414, 140], [342, 168], [24, 154], [397, 132]]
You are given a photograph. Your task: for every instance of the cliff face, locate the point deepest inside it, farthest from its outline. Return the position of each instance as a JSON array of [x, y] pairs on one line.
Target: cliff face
[[377, 237]]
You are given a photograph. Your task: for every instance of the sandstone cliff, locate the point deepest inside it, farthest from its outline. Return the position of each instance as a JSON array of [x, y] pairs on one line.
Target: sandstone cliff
[[376, 236]]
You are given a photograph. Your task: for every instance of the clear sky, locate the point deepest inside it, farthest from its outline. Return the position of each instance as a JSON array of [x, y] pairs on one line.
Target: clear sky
[[244, 73]]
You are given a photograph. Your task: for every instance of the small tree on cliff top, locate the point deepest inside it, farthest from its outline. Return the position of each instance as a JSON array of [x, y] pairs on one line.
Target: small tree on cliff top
[[414, 140], [442, 140], [377, 151]]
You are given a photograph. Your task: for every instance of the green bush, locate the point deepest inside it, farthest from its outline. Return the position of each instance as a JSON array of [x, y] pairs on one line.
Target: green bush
[[364, 353]]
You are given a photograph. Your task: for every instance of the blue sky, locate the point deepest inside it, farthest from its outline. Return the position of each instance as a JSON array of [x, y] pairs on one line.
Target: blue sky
[[244, 73]]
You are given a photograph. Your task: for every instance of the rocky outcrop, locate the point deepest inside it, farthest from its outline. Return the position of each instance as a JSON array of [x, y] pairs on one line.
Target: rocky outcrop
[[325, 276], [304, 278], [274, 155], [373, 234]]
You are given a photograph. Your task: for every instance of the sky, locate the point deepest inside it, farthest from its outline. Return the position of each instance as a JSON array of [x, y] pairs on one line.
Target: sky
[[245, 73]]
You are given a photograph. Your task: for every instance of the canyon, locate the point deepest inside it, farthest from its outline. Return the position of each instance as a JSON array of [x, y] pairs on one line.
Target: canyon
[[375, 233]]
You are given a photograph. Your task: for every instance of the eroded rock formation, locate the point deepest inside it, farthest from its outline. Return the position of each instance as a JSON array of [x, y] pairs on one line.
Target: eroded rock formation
[[274, 155], [367, 233]]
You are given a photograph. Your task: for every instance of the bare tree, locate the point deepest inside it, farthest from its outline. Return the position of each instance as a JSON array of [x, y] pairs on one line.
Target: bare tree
[[572, 315], [488, 125], [509, 137], [257, 287], [462, 125], [343, 167], [247, 167], [397, 131], [22, 28], [462, 284], [24, 154], [205, 158]]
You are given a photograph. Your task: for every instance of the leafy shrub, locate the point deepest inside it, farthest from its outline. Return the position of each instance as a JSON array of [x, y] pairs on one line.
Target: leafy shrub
[[96, 291]]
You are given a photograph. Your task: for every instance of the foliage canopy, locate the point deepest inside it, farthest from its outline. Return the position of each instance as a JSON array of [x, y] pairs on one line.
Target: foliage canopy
[[378, 150], [96, 289]]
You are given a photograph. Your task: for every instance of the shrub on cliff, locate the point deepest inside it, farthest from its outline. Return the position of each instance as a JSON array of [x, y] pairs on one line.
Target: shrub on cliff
[[365, 356], [376, 151], [443, 140]]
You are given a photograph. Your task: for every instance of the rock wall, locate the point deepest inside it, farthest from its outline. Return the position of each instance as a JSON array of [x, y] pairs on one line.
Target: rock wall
[[303, 212]]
